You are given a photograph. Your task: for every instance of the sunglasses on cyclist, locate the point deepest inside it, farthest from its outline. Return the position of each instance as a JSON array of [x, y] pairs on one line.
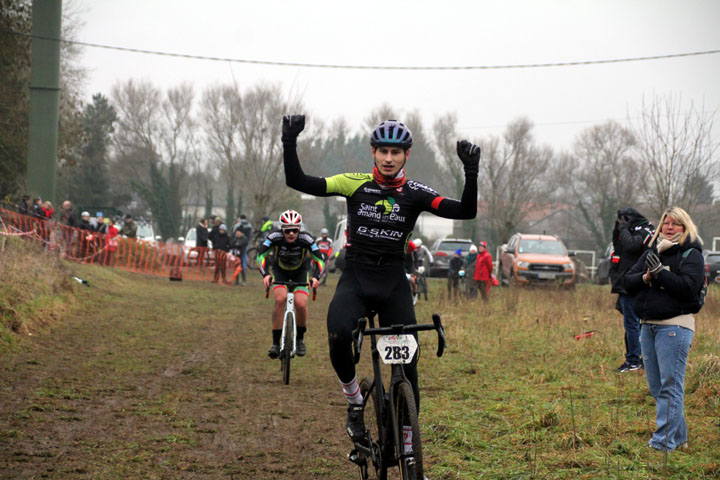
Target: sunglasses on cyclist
[[291, 230]]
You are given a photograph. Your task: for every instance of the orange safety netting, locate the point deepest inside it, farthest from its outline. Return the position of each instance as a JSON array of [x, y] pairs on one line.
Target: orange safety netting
[[174, 260]]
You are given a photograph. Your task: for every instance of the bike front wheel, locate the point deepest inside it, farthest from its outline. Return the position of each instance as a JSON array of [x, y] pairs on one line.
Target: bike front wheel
[[374, 422], [251, 256], [408, 434], [286, 354]]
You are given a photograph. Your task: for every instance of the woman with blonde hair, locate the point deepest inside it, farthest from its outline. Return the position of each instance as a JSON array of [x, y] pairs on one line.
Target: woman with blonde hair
[[666, 282]]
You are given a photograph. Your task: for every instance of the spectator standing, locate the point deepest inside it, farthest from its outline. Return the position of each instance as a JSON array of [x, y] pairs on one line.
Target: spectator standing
[[23, 206], [469, 266], [201, 241], [247, 230], [631, 236], [86, 235], [111, 242], [266, 226], [129, 228], [667, 286], [238, 247], [47, 209], [100, 225], [36, 209], [454, 266], [221, 245], [216, 222], [483, 271]]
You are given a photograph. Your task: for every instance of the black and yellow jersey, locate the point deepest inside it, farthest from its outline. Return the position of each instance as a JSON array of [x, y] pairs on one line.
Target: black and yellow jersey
[[381, 220], [290, 256]]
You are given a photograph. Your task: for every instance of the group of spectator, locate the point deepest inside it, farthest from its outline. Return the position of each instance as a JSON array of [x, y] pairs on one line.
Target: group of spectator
[[226, 246], [88, 242], [475, 271]]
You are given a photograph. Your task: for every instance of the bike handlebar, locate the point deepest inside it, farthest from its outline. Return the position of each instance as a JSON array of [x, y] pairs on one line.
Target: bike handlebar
[[362, 330]]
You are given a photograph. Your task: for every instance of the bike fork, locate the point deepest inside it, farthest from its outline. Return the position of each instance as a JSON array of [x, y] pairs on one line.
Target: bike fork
[[289, 313]]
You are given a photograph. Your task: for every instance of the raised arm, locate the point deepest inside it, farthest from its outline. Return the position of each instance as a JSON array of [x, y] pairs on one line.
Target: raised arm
[[294, 175], [466, 208]]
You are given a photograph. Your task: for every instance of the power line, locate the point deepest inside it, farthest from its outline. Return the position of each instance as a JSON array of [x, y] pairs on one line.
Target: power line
[[362, 67]]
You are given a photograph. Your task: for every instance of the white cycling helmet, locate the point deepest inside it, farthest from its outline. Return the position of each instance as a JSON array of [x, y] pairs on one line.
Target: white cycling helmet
[[290, 219], [418, 243], [324, 231]]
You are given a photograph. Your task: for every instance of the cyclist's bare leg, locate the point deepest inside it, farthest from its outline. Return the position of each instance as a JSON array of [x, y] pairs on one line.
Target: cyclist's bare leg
[[301, 310], [280, 295]]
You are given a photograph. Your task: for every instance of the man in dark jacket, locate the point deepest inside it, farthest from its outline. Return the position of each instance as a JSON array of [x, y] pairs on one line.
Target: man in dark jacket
[[631, 236], [238, 247], [454, 266], [221, 245], [201, 241], [23, 206]]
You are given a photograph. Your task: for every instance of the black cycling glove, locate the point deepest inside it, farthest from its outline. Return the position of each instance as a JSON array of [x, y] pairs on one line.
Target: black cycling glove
[[470, 156], [292, 125]]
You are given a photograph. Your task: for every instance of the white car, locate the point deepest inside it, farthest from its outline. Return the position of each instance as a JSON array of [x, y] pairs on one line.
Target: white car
[[189, 244]]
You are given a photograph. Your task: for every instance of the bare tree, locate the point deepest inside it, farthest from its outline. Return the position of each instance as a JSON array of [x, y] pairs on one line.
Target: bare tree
[[153, 142], [603, 177], [221, 111], [677, 153], [262, 108], [514, 175]]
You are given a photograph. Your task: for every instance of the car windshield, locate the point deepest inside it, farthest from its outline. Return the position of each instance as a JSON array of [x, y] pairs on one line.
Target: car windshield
[[713, 258], [548, 247], [144, 231], [452, 246], [191, 235]]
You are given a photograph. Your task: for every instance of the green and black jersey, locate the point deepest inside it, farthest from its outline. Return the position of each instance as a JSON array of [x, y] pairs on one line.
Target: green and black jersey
[[380, 219], [290, 256]]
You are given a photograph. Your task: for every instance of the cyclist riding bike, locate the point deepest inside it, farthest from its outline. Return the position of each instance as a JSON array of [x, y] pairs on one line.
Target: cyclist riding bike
[[382, 208], [291, 248], [423, 255], [324, 243]]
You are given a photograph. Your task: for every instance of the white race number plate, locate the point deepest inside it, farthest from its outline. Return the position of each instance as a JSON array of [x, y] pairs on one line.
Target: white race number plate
[[397, 348]]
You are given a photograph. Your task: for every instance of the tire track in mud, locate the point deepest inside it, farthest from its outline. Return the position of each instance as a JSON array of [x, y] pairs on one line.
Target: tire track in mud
[[167, 380]]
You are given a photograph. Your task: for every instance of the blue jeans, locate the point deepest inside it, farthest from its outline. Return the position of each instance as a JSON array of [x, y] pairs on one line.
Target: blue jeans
[[665, 350], [632, 329]]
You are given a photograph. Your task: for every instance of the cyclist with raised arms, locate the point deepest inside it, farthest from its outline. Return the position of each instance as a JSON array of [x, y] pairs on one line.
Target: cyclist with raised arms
[[382, 208], [291, 248]]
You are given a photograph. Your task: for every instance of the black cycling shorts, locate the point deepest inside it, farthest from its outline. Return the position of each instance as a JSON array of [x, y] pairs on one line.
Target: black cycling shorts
[[363, 287], [300, 275]]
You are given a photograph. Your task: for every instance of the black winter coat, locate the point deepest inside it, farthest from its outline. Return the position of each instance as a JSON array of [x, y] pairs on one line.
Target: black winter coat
[[674, 290], [201, 232], [238, 245], [630, 241], [221, 242]]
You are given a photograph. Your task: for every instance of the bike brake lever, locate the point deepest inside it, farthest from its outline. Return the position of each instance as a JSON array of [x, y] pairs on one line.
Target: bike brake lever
[[314, 293], [358, 339], [441, 334], [267, 292]]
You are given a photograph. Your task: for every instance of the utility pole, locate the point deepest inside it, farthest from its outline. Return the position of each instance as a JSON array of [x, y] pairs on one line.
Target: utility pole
[[44, 98]]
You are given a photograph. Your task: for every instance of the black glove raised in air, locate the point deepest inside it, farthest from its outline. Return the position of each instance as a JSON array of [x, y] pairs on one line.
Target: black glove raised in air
[[292, 125], [470, 156]]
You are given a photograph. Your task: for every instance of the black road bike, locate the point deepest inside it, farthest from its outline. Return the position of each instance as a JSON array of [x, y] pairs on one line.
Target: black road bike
[[389, 414], [288, 337]]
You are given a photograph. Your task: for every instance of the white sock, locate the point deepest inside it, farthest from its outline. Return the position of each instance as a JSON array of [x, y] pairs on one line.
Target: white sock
[[407, 439], [352, 392]]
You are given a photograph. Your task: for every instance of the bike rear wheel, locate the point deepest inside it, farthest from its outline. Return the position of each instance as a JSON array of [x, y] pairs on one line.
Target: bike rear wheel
[[373, 421], [286, 354], [411, 465], [422, 286]]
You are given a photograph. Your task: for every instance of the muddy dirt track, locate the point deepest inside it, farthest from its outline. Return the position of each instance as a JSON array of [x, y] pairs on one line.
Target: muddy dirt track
[[153, 379]]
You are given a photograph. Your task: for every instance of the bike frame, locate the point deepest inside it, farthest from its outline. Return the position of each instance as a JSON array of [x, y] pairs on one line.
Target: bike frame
[[289, 317], [384, 402]]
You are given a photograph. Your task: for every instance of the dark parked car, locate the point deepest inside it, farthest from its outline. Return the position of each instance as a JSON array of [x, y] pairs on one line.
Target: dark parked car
[[712, 267], [442, 250]]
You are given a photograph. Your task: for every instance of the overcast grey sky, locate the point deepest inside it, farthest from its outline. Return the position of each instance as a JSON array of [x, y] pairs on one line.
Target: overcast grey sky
[[561, 101]]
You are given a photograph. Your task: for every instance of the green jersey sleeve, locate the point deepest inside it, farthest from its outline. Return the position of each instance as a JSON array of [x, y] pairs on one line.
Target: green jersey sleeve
[[346, 184]]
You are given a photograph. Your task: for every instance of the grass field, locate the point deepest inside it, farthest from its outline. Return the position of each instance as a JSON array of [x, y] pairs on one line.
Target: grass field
[[138, 377]]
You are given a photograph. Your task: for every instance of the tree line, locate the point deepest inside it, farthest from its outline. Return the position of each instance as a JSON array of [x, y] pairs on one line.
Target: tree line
[[179, 153]]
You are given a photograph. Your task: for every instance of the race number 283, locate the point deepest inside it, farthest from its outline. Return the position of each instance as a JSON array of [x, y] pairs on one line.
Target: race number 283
[[397, 348]]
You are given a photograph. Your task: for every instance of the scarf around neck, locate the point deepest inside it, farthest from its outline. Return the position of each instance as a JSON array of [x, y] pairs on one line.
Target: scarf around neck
[[387, 183], [665, 243]]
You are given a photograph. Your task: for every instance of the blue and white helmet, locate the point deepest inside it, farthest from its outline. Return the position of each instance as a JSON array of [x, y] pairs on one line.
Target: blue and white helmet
[[391, 133]]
